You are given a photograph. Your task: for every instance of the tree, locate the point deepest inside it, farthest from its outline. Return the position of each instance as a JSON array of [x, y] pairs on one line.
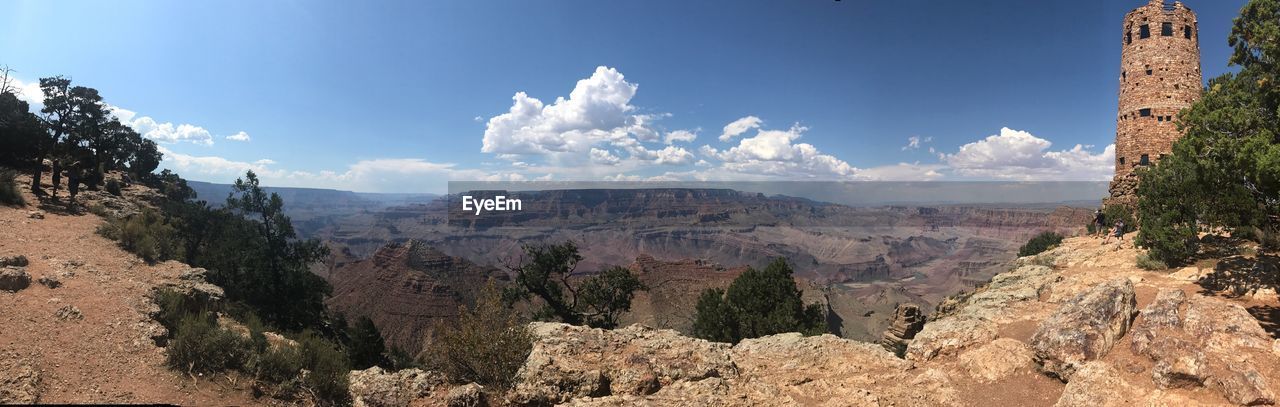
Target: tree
[[365, 347], [1225, 170], [757, 303], [595, 301], [21, 132], [258, 259]]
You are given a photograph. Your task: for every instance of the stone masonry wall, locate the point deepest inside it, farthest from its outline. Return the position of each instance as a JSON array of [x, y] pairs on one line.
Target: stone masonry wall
[[1160, 76]]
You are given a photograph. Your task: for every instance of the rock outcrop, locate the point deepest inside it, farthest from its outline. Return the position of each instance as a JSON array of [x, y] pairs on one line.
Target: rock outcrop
[[374, 387], [19, 380], [1201, 341], [906, 323], [1084, 328]]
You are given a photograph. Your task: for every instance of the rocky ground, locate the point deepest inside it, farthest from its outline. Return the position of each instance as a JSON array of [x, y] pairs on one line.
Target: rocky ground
[[1079, 325], [79, 330]]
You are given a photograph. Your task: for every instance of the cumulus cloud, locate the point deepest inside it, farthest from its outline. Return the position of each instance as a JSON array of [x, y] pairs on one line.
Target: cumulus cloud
[[598, 109], [775, 152], [603, 157], [168, 132], [27, 91], [1015, 154], [739, 126], [682, 136]]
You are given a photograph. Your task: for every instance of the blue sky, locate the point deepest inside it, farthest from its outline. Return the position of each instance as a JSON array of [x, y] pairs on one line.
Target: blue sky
[[402, 96]]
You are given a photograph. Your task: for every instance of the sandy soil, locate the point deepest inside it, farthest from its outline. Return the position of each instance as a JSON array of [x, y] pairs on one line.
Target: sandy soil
[[106, 356]]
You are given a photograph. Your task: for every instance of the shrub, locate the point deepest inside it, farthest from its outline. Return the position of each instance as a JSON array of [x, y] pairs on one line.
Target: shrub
[[147, 235], [486, 345], [276, 365], [1146, 262], [113, 187], [757, 303], [328, 369], [9, 193], [1040, 243], [201, 346]]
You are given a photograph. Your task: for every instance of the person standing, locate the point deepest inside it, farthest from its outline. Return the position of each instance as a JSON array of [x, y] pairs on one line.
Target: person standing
[[1099, 223]]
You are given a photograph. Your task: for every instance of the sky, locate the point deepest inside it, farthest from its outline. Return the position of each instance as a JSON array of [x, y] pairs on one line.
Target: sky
[[403, 96]]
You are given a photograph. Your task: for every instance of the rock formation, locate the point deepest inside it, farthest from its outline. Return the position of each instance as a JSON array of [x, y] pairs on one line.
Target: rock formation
[[1085, 328], [907, 321]]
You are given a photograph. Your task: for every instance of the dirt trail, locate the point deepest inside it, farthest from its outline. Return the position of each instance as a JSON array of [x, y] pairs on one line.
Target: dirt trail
[[105, 355]]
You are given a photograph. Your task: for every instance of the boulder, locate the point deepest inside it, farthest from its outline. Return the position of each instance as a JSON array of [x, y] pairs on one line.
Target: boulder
[[949, 336], [1084, 328], [570, 362], [1203, 341], [14, 278], [374, 387], [1097, 384], [997, 360], [16, 261], [469, 395]]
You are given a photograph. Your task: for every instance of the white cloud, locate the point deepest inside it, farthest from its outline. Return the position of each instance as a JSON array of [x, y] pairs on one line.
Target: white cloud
[[598, 109], [683, 136], [28, 91], [1015, 154], [603, 157], [740, 126], [671, 155], [914, 142], [265, 161], [168, 132], [774, 153]]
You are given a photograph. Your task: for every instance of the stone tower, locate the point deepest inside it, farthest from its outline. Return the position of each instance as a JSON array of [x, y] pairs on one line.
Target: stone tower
[[1159, 76]]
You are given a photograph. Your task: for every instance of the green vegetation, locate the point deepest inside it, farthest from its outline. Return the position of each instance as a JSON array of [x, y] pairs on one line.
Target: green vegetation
[[146, 234], [1039, 244], [365, 347], [757, 303], [1146, 262], [488, 344], [199, 344], [1225, 171], [595, 301], [9, 194]]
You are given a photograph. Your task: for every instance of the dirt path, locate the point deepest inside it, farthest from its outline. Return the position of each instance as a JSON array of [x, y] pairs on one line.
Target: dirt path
[[105, 355]]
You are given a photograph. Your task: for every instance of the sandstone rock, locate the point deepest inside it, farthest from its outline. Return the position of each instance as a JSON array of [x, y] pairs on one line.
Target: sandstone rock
[[16, 261], [192, 282], [1084, 328], [949, 336], [1188, 274], [35, 214], [997, 360], [69, 313], [14, 278], [1201, 341], [907, 321], [470, 395], [19, 380], [1097, 384], [50, 281], [569, 362], [374, 387]]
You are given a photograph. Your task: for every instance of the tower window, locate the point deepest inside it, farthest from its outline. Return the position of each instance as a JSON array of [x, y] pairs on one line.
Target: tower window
[[1144, 160], [1166, 29], [1144, 31], [1186, 32], [1148, 72], [1144, 112], [1121, 160], [1160, 118], [1128, 38]]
